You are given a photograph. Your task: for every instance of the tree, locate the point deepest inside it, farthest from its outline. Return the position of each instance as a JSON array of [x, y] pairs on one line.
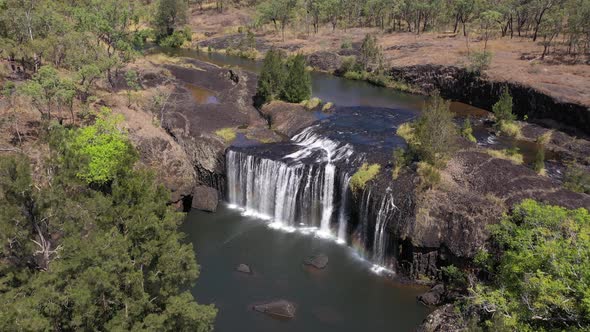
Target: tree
[[502, 109], [105, 147], [297, 86], [272, 76], [277, 11], [541, 275], [371, 53], [74, 258], [132, 81], [48, 91], [170, 15], [435, 132]]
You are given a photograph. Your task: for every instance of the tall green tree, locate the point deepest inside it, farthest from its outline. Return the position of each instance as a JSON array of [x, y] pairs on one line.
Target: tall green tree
[[297, 86], [272, 76], [170, 15]]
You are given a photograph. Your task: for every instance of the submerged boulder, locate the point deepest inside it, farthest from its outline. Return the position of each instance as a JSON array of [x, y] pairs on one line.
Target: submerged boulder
[[279, 309], [319, 261], [244, 268], [205, 198]]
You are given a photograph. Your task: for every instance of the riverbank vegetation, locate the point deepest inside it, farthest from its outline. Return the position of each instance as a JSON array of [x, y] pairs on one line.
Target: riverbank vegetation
[[364, 174], [286, 80], [93, 246], [538, 277]]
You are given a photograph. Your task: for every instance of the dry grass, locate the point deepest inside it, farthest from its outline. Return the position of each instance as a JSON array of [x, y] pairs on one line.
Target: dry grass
[[515, 157], [566, 82], [228, 134]]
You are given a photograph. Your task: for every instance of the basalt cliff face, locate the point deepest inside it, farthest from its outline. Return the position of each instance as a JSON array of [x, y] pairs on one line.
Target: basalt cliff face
[[459, 84]]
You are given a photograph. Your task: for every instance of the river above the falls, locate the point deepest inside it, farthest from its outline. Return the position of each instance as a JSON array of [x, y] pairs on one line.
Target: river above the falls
[[345, 296]]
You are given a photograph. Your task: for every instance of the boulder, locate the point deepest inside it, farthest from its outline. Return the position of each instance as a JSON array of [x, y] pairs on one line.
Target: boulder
[[205, 198], [444, 318], [244, 268], [434, 296], [318, 261], [279, 309]]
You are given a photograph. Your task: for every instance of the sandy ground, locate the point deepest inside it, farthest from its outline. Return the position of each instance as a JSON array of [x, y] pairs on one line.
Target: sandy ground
[[516, 60]]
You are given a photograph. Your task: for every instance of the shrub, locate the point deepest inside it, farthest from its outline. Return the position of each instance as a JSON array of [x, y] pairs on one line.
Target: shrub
[[479, 61], [176, 39], [349, 63], [467, 131], [577, 179], [429, 175], [539, 164], [312, 103], [511, 129], [364, 174], [401, 158], [346, 44], [371, 54], [228, 134], [327, 106], [454, 276]]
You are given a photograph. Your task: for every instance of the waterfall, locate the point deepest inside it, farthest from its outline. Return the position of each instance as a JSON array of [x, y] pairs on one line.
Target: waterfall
[[303, 185], [343, 210], [295, 189], [380, 238]]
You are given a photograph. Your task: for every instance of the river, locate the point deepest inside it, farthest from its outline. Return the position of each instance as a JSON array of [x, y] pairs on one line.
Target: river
[[345, 296]]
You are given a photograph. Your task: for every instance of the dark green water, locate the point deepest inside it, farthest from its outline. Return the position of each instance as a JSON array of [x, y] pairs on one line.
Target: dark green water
[[345, 296]]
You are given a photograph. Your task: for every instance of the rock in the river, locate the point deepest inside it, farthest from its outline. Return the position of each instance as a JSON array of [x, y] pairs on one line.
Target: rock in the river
[[434, 296], [205, 198], [279, 309], [244, 268], [318, 261]]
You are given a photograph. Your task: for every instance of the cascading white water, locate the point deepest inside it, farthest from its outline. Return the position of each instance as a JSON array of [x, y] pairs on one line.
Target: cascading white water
[[343, 212], [294, 190], [386, 208]]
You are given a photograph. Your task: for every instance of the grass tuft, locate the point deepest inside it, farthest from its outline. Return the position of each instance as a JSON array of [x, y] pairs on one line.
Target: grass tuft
[[514, 156], [364, 174], [228, 134]]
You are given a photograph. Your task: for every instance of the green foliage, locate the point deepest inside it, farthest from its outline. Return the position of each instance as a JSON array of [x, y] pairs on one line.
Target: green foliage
[[371, 53], [104, 147], [454, 277], [577, 178], [272, 76], [176, 39], [228, 134], [467, 131], [78, 259], [170, 15], [48, 91], [479, 62], [401, 158], [435, 132], [503, 107], [541, 277], [364, 174], [429, 175], [297, 86], [512, 155], [132, 81], [289, 81], [539, 163]]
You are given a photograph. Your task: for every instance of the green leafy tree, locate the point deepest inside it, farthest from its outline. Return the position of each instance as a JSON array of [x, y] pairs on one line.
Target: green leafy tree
[[371, 53], [105, 147], [541, 276], [435, 132], [272, 76], [170, 15], [503, 107], [297, 86], [132, 81], [48, 91]]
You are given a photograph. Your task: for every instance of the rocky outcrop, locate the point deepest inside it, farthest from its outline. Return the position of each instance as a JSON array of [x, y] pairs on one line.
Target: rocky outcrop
[[434, 296], [458, 84], [443, 319], [286, 118], [244, 268], [205, 199]]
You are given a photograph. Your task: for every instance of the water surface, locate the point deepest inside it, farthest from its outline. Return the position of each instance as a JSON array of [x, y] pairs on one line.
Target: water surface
[[345, 296]]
